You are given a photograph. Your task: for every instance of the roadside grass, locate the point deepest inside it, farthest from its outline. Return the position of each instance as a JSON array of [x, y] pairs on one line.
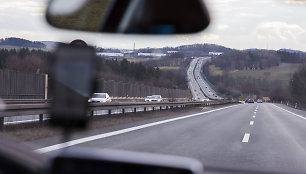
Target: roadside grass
[[215, 71], [169, 67], [282, 72]]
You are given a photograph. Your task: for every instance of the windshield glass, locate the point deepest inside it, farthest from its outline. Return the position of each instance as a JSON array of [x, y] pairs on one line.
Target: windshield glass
[[99, 96], [232, 96]]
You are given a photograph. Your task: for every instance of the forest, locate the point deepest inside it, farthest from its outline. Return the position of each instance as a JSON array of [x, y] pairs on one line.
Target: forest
[[252, 61], [36, 61], [256, 59]]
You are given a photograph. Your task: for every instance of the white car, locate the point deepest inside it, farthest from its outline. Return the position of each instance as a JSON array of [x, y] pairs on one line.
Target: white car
[[100, 97], [154, 98]]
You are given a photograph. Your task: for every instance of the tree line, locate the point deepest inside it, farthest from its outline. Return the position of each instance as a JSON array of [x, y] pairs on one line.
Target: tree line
[[298, 85], [36, 61], [255, 59], [293, 90], [24, 59], [124, 70]]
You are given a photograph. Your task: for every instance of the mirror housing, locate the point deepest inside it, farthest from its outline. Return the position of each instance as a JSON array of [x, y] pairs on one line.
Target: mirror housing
[[119, 162], [131, 16]]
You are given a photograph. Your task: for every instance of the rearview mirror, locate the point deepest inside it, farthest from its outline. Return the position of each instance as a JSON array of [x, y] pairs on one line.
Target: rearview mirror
[[122, 162], [129, 16]]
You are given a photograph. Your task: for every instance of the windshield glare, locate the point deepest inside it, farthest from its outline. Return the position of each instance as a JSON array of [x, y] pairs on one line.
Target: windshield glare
[[232, 96]]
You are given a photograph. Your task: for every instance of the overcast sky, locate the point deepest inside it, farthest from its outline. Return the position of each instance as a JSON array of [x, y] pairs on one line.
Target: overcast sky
[[239, 24]]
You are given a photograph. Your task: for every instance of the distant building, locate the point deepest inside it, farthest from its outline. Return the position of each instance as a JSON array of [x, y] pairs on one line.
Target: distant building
[[215, 53], [102, 54], [171, 52], [151, 54]]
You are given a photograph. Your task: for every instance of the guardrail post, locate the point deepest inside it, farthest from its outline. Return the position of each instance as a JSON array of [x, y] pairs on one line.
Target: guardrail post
[[144, 109], [41, 118], [109, 112], [135, 110], [166, 107], [123, 111], [160, 108], [153, 108], [1, 123], [91, 113]]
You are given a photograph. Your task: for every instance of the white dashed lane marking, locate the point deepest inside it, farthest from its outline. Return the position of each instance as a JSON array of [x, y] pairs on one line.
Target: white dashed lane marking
[[246, 138], [251, 122]]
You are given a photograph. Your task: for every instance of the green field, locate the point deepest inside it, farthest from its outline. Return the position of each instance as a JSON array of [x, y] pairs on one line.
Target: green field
[[282, 72]]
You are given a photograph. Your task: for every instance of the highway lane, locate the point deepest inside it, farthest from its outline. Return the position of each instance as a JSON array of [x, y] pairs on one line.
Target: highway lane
[[205, 87], [194, 87], [276, 138], [200, 89]]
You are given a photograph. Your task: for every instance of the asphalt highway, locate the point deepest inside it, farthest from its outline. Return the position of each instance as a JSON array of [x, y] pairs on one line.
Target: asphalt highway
[[245, 137], [205, 87], [200, 89], [194, 87]]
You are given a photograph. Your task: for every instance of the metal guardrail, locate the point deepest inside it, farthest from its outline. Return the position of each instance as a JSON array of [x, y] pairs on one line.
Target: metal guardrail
[[25, 101], [43, 108], [115, 99]]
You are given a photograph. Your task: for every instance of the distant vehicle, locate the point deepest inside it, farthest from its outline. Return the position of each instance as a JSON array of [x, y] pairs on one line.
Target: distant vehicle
[[154, 98], [251, 101], [259, 100], [148, 99], [100, 97]]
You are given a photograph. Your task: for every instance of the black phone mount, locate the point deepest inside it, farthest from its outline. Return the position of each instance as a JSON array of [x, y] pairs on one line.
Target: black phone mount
[[73, 70]]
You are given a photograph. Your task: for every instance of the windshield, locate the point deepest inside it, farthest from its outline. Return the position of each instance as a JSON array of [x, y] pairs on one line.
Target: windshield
[[232, 96], [99, 96]]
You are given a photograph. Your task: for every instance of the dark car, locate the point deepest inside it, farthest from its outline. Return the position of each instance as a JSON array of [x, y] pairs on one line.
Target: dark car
[[251, 101]]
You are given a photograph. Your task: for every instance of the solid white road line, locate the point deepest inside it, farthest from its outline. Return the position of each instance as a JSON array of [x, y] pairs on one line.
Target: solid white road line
[[118, 132], [246, 138], [251, 122], [290, 112]]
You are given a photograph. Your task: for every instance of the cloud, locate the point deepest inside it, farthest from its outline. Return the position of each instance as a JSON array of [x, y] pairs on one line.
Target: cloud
[[199, 38], [209, 37], [295, 1], [277, 30], [222, 27]]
